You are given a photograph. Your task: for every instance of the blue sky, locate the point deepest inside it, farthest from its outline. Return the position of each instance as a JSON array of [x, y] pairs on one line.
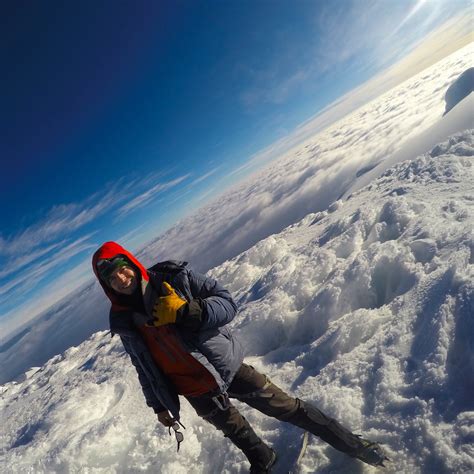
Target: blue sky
[[119, 118]]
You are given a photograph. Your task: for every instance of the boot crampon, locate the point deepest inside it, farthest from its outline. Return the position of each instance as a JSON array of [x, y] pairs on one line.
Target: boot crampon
[[262, 459], [371, 453]]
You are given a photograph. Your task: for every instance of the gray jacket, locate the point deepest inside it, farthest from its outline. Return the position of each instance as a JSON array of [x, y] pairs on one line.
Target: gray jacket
[[212, 345]]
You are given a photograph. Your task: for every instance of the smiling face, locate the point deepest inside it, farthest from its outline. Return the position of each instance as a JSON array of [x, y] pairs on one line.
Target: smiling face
[[124, 280]]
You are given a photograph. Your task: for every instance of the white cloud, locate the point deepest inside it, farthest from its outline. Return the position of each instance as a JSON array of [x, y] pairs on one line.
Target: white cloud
[[16, 264], [63, 219], [434, 48], [186, 191], [30, 256], [50, 295], [147, 196], [348, 37], [204, 176], [313, 168], [31, 276]]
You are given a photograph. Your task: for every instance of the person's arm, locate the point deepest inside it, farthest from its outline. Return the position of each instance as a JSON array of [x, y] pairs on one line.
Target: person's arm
[[150, 397], [164, 416], [211, 306]]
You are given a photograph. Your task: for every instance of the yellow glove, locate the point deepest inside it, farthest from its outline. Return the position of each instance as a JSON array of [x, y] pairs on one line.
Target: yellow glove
[[166, 307]]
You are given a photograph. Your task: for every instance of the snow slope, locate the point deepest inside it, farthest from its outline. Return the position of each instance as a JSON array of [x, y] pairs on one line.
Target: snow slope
[[365, 308], [460, 118], [306, 179]]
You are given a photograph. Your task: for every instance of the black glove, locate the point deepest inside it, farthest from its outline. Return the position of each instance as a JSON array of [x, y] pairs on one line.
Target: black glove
[[189, 316]]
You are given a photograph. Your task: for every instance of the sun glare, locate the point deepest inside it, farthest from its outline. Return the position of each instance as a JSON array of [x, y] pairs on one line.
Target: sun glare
[[418, 6]]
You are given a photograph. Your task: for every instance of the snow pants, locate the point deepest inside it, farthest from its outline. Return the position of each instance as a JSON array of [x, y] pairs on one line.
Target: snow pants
[[256, 390]]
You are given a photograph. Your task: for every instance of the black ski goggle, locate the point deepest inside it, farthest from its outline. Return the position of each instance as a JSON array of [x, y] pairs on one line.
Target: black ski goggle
[[106, 267], [179, 436]]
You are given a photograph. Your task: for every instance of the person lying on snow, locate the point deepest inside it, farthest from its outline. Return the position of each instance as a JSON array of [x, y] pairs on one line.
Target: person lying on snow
[[172, 322]]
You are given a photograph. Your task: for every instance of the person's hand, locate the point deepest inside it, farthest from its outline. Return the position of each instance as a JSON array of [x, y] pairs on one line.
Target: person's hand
[[165, 418], [166, 307]]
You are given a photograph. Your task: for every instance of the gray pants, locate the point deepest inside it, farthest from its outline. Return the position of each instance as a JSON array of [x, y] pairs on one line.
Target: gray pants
[[256, 390]]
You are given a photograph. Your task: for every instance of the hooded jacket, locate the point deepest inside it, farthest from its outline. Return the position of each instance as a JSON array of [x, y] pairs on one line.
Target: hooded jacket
[[212, 345]]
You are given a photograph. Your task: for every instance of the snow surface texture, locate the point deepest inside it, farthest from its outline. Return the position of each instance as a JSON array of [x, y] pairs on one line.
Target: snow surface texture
[[365, 309], [307, 179]]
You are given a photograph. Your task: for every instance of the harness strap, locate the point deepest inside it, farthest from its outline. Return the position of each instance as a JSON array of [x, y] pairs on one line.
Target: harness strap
[[222, 401], [222, 404]]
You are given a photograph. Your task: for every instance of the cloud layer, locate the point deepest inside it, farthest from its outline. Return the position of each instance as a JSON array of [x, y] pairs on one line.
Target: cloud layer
[[311, 175]]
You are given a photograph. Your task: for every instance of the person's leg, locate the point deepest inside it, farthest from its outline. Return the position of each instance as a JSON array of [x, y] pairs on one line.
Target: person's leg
[[255, 389], [237, 429]]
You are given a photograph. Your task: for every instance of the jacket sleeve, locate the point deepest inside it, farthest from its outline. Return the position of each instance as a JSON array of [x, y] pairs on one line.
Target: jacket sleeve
[[150, 397], [217, 306]]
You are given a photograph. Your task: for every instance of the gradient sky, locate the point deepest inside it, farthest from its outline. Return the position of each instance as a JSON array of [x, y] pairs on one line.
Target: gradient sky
[[118, 118]]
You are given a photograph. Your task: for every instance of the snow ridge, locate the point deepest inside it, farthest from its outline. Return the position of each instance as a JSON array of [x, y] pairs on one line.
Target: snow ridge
[[366, 309]]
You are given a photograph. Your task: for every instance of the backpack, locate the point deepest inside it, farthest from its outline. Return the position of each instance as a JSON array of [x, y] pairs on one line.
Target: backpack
[[165, 271]]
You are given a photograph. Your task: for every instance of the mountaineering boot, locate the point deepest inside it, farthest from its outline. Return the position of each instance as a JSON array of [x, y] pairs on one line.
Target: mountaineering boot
[[260, 456], [371, 453], [237, 429], [263, 458]]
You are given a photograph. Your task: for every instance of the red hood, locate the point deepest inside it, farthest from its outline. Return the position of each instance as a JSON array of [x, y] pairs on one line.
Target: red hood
[[110, 250]]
